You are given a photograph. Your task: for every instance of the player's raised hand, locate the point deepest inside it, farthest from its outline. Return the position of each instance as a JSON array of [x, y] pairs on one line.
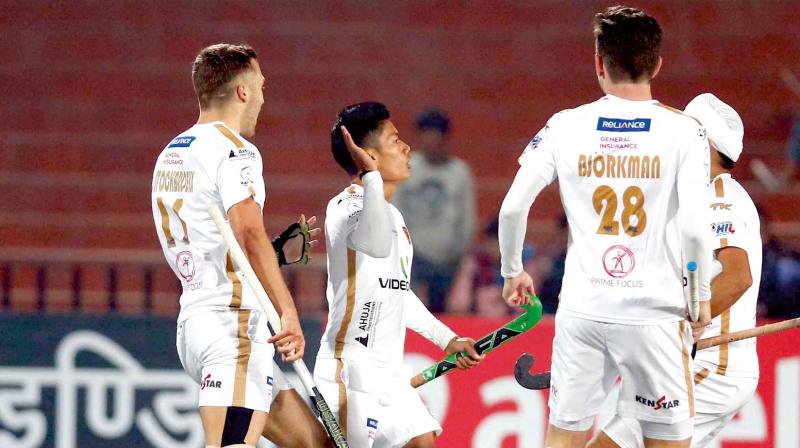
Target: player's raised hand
[[464, 345], [515, 289], [290, 342], [299, 243], [362, 159]]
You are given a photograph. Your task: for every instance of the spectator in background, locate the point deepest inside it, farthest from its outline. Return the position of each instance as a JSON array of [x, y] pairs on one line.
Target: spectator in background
[[779, 293], [438, 203], [478, 285], [552, 268]]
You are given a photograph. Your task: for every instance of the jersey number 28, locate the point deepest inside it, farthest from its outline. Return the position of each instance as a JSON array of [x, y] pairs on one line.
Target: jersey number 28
[[633, 206]]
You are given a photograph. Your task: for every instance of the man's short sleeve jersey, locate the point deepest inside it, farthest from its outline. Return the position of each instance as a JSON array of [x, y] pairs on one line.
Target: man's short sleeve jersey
[[209, 164]]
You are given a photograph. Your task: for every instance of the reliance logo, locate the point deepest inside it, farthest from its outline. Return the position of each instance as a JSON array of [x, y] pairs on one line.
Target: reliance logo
[[622, 125]]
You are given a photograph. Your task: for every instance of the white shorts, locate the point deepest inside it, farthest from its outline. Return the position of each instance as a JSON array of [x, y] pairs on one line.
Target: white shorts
[[717, 399], [227, 354], [376, 405], [653, 361]]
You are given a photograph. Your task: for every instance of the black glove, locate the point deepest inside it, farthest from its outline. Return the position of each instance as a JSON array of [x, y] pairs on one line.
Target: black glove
[[293, 231]]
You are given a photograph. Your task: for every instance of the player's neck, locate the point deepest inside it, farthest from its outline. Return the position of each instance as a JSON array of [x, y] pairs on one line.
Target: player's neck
[[231, 119], [629, 91], [388, 190], [716, 170]]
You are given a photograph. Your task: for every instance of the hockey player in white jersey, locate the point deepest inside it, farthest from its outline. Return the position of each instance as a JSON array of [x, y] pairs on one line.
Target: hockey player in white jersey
[[370, 300], [725, 377], [222, 339], [632, 178]]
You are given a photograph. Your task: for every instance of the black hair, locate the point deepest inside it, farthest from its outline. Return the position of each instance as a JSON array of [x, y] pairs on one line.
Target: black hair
[[433, 119], [362, 120], [726, 162], [629, 41]]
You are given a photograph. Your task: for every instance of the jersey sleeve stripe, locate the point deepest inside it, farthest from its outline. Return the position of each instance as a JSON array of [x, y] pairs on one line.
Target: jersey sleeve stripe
[[229, 135], [725, 328], [242, 360], [719, 188], [351, 301], [687, 374]]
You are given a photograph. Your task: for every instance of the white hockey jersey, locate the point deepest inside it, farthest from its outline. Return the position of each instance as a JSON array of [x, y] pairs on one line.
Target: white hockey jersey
[[735, 224], [207, 164], [622, 166], [370, 302]]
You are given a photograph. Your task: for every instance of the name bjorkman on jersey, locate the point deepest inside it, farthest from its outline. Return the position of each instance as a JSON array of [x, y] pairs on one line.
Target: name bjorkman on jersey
[[627, 167]]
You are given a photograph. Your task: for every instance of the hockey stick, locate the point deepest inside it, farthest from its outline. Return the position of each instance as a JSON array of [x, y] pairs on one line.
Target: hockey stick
[[523, 323], [274, 325], [694, 290], [538, 381], [763, 330]]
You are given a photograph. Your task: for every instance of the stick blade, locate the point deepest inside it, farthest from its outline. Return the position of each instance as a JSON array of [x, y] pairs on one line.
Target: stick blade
[[527, 380]]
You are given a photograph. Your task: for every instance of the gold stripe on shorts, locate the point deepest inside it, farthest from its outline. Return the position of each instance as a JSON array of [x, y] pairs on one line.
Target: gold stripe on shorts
[[351, 302], [701, 375], [725, 328], [236, 295], [342, 397], [687, 374], [242, 359], [229, 135], [723, 242]]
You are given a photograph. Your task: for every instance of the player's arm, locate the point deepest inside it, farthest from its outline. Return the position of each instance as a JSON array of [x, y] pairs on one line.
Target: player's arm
[[247, 223], [421, 321], [693, 200], [372, 232], [537, 170], [732, 282]]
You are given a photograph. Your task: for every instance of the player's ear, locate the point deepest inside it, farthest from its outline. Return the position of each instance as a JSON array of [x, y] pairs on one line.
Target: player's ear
[[241, 92], [598, 66], [657, 69]]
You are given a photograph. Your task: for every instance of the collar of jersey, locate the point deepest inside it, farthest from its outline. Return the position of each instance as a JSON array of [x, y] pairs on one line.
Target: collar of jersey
[[616, 98], [721, 175]]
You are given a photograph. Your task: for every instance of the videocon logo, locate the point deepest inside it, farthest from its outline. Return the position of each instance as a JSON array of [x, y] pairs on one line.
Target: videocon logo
[[403, 264]]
